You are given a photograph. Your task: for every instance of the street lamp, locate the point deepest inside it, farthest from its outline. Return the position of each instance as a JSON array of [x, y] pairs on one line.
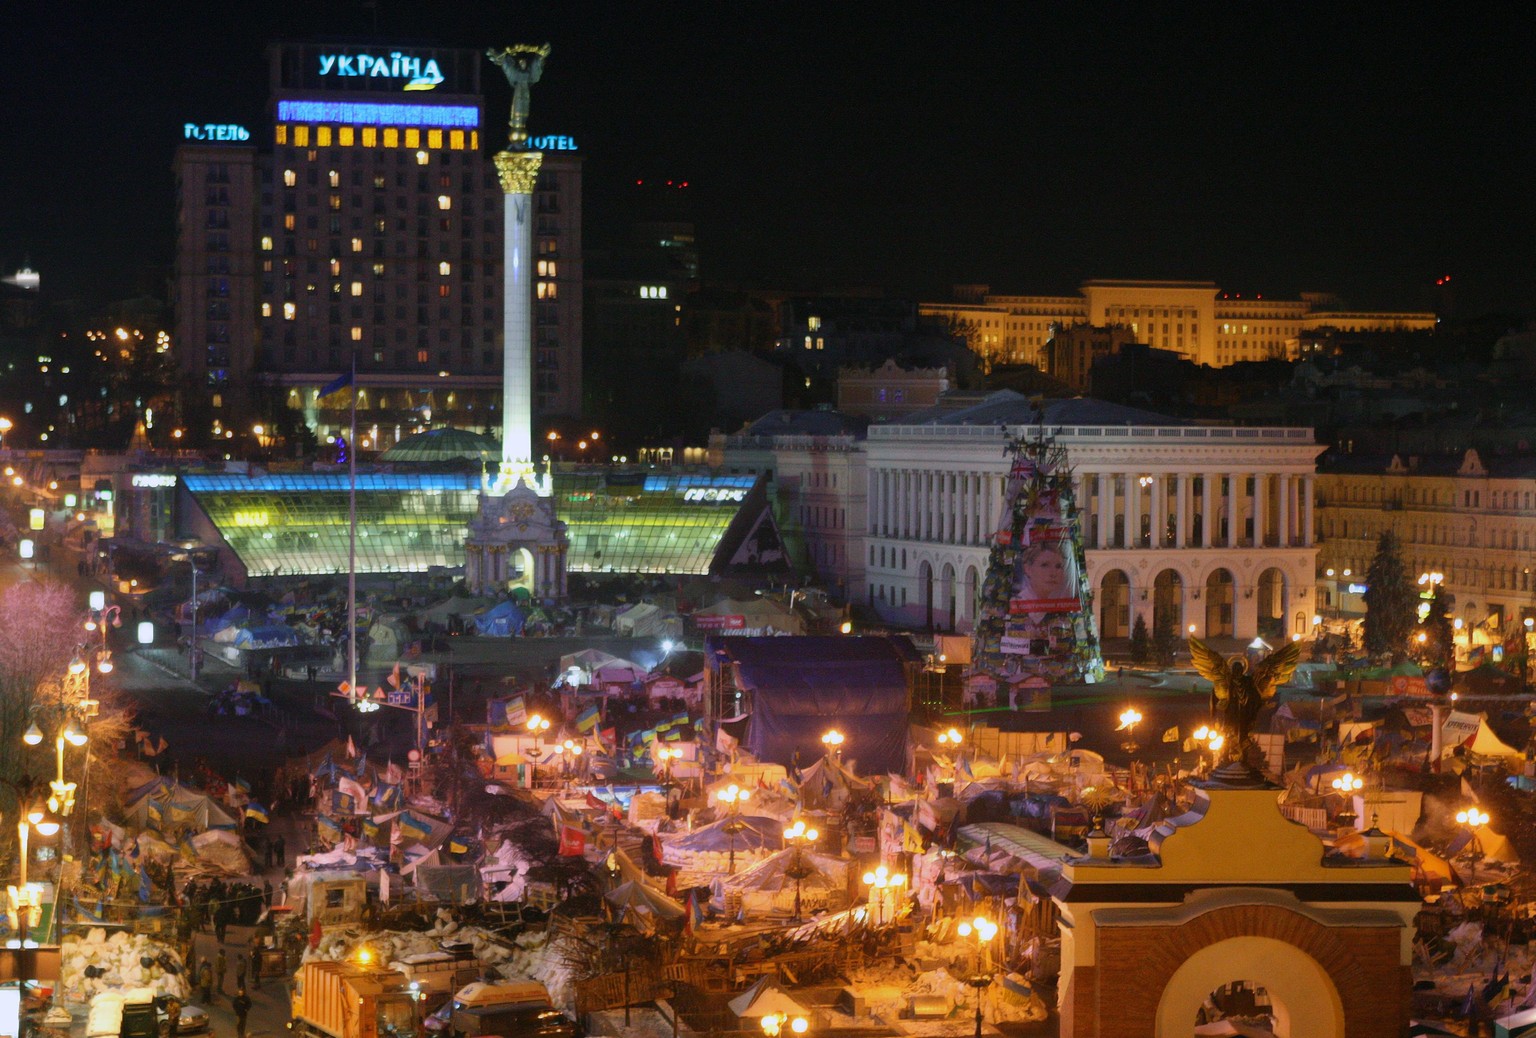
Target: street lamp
[[1211, 739], [832, 741], [1347, 785], [732, 796], [773, 1024], [983, 930], [884, 884], [797, 836], [951, 738], [1474, 819]]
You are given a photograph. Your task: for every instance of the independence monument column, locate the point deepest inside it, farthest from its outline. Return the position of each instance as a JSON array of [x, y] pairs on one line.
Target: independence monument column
[[517, 170], [516, 542]]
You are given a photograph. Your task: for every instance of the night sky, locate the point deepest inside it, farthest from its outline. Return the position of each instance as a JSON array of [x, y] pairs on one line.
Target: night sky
[[1278, 150]]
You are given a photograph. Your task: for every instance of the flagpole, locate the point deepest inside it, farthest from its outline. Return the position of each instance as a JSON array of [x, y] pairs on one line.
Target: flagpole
[[352, 540]]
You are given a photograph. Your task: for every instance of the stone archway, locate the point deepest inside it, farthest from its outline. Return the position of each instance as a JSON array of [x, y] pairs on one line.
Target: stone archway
[[1304, 1000], [1272, 605], [947, 596], [1220, 609], [972, 593], [925, 586], [1115, 605], [1168, 602]]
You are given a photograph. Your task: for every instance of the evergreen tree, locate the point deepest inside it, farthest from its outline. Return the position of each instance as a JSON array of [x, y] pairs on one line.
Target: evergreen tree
[[1389, 600], [1141, 641]]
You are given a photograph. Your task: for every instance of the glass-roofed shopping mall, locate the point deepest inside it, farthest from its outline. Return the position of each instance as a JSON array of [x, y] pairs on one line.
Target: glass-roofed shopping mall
[[618, 522]]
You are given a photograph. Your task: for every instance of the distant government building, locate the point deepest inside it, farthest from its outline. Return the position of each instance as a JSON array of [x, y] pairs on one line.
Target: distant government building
[[1195, 319]]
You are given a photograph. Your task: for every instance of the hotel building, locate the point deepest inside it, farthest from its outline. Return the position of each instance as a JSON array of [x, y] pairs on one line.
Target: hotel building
[[1195, 319], [365, 221]]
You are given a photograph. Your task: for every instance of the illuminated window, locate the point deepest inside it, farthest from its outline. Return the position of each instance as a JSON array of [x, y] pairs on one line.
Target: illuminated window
[[444, 291], [266, 243], [335, 267], [378, 270], [357, 245], [370, 137], [444, 202], [266, 309], [434, 138], [301, 136], [821, 343], [445, 268], [807, 342], [323, 136], [813, 323], [413, 140], [344, 136], [357, 334], [421, 356], [391, 137], [357, 288], [547, 268], [218, 400], [290, 178], [334, 177], [290, 310], [456, 140], [281, 136], [288, 222], [546, 290]]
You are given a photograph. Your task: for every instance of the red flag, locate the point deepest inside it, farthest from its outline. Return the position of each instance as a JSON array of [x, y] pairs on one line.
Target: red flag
[[573, 842], [672, 884], [315, 934], [394, 677]]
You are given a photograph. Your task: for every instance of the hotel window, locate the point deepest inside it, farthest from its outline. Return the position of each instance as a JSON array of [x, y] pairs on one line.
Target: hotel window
[[357, 334], [813, 324], [444, 202], [288, 221], [290, 310], [290, 178], [357, 245], [357, 288], [266, 244], [421, 356], [445, 268], [266, 309], [444, 291], [335, 178], [546, 290], [335, 202], [391, 137], [547, 268]]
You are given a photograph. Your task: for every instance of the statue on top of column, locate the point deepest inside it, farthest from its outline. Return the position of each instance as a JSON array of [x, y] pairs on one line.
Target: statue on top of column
[[522, 65]]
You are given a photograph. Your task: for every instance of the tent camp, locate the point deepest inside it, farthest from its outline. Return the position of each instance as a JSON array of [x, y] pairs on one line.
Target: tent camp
[[643, 906], [265, 636], [797, 690], [584, 667], [458, 605], [770, 884], [641, 620], [502, 620], [164, 804]]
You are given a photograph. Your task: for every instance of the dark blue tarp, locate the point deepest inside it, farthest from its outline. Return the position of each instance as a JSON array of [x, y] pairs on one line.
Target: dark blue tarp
[[801, 687], [501, 621]]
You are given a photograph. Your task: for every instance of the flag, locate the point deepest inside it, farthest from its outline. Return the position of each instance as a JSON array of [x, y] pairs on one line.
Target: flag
[[394, 774], [911, 839], [342, 803], [242, 783], [725, 742], [144, 884], [1172, 734], [689, 917], [352, 789], [386, 796], [351, 749], [587, 721], [154, 814], [458, 847], [608, 736], [414, 827], [336, 385], [1496, 988], [680, 719], [394, 676], [371, 829], [517, 711], [673, 735], [87, 914], [256, 811], [327, 829], [573, 842]]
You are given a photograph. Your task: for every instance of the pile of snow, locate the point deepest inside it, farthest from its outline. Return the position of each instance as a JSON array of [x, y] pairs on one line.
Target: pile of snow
[[889, 989], [395, 945], [97, 963]]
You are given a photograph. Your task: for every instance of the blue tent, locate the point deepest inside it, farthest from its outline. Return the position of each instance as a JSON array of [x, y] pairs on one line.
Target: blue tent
[[501, 621], [268, 636]]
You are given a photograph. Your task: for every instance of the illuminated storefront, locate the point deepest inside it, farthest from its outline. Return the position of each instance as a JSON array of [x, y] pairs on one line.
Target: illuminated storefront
[[293, 525]]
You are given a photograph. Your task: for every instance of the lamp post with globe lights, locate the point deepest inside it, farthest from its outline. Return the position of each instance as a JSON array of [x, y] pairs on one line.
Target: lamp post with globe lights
[[776, 1024], [732, 796], [981, 930], [832, 742], [1474, 819], [1347, 785], [797, 836], [884, 886]]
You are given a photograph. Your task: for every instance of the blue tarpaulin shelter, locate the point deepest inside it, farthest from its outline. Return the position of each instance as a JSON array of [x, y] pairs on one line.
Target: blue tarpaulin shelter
[[797, 688], [501, 620]]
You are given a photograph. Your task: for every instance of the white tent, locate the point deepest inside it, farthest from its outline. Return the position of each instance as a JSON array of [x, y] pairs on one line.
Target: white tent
[[1472, 731], [770, 884], [641, 620], [765, 998]]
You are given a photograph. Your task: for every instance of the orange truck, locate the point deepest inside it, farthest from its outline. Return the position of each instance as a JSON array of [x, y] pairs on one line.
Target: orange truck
[[352, 1000]]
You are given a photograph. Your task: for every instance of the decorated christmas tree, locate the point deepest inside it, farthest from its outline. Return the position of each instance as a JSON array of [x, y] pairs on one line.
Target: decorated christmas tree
[[1034, 627]]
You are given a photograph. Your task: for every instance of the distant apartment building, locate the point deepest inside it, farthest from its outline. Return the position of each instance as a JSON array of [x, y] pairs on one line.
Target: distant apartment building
[[1071, 351], [1192, 318], [362, 223]]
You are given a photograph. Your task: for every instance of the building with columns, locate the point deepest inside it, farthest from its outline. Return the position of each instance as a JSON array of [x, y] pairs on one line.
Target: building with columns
[[1469, 518], [1201, 526]]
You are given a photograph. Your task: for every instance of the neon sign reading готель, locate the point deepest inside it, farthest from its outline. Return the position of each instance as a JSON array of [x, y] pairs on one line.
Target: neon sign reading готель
[[214, 132]]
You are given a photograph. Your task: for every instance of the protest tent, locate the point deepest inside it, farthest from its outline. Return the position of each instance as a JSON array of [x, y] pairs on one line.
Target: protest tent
[[1472, 731], [765, 998], [264, 636], [753, 617], [644, 907], [770, 884], [502, 620], [641, 620], [164, 803], [583, 668]]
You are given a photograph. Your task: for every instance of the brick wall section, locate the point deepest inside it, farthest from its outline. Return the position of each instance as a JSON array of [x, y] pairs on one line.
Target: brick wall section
[[1119, 997]]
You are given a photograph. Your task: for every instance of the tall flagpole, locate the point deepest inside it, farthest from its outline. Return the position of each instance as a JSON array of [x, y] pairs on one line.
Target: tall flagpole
[[352, 541]]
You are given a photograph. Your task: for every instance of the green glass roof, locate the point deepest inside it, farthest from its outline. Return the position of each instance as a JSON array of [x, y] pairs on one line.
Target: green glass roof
[[296, 524]]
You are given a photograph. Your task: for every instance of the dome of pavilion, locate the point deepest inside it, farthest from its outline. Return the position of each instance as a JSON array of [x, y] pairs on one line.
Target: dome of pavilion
[[442, 445]]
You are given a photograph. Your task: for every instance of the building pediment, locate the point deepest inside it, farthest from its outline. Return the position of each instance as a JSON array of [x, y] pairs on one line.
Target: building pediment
[[519, 515]]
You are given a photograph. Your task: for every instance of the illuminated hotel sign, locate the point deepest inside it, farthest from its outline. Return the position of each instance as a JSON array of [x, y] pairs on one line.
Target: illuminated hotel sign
[[372, 113], [552, 144], [214, 132], [418, 74], [153, 479]]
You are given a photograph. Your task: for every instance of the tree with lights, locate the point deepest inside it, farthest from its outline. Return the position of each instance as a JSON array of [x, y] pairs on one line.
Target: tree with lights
[[1390, 600]]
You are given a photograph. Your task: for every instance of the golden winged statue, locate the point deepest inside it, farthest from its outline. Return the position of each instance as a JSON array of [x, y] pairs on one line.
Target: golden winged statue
[[1238, 693]]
